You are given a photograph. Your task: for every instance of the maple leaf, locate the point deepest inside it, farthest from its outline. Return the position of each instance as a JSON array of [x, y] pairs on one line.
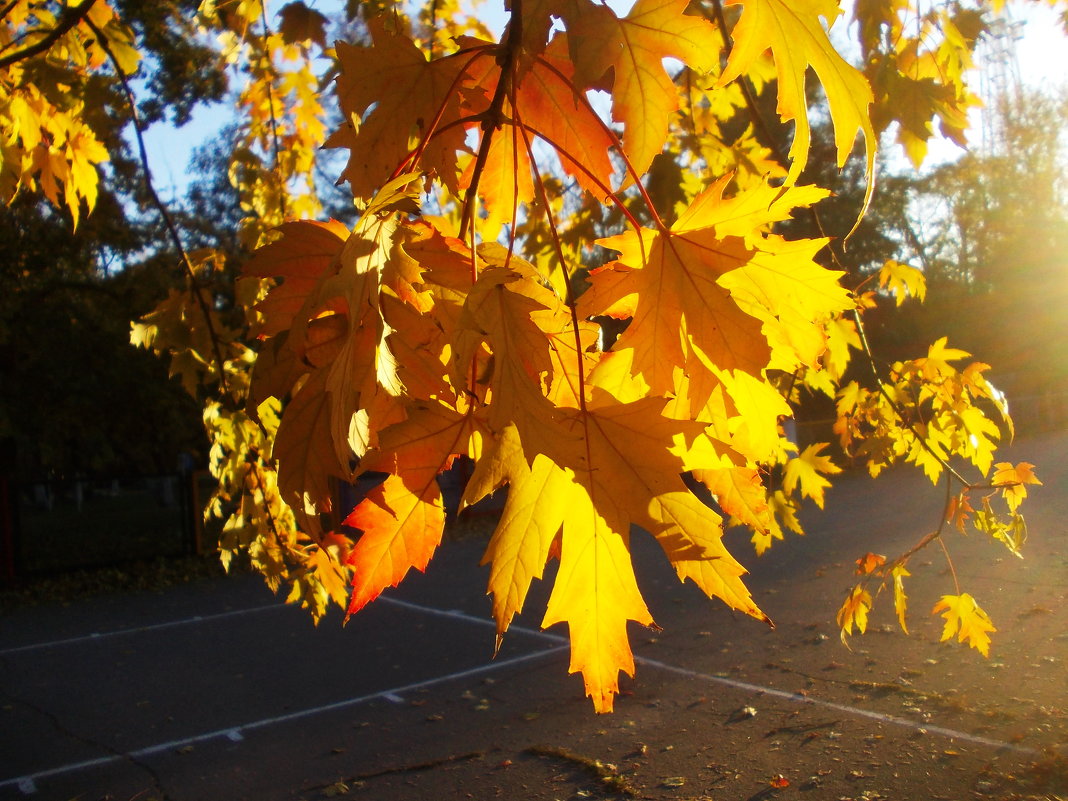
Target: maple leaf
[[596, 593], [298, 259], [634, 47], [854, 612], [903, 281], [389, 93], [548, 103], [935, 366], [681, 314], [304, 448], [402, 519], [302, 24], [498, 310], [533, 514], [805, 471], [797, 40], [869, 563], [964, 618], [740, 493], [1014, 480]]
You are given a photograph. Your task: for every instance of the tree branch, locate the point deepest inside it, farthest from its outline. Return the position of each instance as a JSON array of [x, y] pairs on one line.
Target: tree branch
[[68, 20], [168, 221], [506, 58]]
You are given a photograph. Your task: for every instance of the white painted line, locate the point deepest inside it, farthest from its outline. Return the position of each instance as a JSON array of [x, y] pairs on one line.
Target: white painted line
[[393, 698], [28, 783], [141, 629], [850, 710], [744, 685]]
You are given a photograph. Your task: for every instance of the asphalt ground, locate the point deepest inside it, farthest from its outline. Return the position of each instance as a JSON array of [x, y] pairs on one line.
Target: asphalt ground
[[217, 690]]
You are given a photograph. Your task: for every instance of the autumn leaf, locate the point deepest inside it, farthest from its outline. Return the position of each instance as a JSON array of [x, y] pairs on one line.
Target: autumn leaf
[[902, 281], [302, 24], [402, 519], [682, 315], [898, 573], [297, 260], [402, 527], [740, 493], [807, 471], [535, 510], [390, 95], [797, 40], [965, 619], [633, 48], [595, 593], [869, 563], [854, 612], [1014, 480]]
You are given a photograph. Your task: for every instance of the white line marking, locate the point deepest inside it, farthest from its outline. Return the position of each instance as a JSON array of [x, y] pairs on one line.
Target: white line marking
[[230, 732], [234, 736], [744, 685], [851, 710], [140, 629], [393, 698]]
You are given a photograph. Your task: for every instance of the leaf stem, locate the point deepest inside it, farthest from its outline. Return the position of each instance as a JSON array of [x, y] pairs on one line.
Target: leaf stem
[[506, 56], [866, 347], [569, 299]]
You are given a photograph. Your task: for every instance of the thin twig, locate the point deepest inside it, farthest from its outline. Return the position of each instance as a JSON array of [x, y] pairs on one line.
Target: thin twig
[[168, 221], [272, 75], [493, 119], [866, 347]]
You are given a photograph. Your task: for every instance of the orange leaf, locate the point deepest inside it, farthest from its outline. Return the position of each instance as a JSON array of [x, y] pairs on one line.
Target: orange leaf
[[389, 95], [300, 258], [402, 527], [869, 563], [403, 518]]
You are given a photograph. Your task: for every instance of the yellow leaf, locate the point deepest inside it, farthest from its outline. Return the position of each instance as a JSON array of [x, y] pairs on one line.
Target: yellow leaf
[[533, 513], [596, 594], [797, 40], [964, 618], [805, 470], [854, 612], [634, 47], [900, 601], [1014, 481], [902, 281]]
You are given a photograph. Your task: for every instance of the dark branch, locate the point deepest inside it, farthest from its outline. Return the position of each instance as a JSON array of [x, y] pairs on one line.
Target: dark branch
[[71, 17], [168, 221]]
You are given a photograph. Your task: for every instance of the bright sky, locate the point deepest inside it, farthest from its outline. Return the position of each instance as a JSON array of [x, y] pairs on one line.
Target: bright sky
[[1040, 52]]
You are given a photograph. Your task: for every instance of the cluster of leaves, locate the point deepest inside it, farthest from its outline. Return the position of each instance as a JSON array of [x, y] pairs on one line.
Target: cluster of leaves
[[49, 138], [466, 313]]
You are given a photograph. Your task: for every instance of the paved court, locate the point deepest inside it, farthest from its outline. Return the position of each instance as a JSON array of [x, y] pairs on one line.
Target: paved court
[[218, 691]]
